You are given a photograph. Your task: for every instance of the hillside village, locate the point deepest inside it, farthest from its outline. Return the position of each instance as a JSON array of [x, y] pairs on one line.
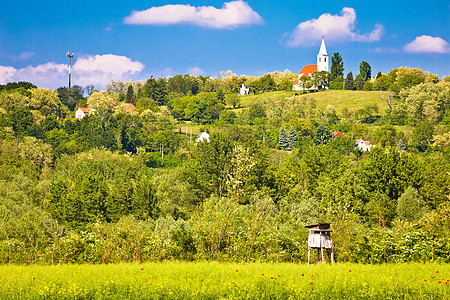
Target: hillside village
[[168, 159]]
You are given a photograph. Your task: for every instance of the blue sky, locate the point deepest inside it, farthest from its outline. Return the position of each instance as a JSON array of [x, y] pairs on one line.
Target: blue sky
[[132, 40]]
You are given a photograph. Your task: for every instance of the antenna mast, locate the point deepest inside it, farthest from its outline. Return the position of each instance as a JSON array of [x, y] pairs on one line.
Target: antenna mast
[[70, 55]]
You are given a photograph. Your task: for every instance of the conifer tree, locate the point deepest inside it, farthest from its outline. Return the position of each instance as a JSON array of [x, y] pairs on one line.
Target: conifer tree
[[282, 139], [293, 138], [348, 82]]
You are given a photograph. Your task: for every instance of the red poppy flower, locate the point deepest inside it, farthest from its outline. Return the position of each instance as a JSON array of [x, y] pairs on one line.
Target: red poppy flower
[[271, 277], [437, 272], [33, 278], [142, 269], [262, 274], [349, 270], [303, 274], [278, 275], [439, 282], [310, 283], [424, 280], [237, 270]]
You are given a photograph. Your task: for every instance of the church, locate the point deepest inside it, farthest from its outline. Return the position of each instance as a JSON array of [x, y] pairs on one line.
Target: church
[[322, 65]]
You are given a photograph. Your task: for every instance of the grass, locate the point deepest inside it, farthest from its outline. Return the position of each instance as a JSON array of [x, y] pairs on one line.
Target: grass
[[352, 100], [202, 280]]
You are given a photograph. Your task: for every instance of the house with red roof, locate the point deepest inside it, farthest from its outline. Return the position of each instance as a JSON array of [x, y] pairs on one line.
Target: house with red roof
[[363, 145], [306, 71], [337, 133], [81, 112]]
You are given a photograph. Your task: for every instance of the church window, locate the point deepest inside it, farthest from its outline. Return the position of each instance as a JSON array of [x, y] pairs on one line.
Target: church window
[[319, 59], [325, 59]]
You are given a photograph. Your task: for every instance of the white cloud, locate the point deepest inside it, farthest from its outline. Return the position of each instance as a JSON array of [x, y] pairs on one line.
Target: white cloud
[[6, 73], [427, 44], [101, 69], [231, 15], [97, 70], [333, 28], [196, 71]]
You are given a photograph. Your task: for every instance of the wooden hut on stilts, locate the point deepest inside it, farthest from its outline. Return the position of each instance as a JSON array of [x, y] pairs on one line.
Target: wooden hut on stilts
[[319, 238]]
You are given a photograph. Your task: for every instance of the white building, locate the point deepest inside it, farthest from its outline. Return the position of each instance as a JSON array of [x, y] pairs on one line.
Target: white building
[[81, 112], [322, 64], [364, 145], [244, 90], [203, 136]]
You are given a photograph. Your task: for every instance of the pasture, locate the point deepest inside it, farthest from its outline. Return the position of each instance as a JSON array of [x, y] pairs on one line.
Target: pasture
[[213, 280]]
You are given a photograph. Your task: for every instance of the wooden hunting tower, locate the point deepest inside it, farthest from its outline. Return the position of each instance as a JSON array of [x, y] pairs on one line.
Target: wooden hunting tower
[[319, 238]]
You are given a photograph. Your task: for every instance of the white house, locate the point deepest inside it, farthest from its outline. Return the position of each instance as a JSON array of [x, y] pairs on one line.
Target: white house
[[203, 136], [244, 90], [364, 145], [322, 65], [81, 112]]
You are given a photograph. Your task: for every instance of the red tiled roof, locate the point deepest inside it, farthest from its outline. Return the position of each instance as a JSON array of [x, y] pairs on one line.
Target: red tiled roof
[[308, 70], [84, 109], [129, 106], [296, 82], [338, 133]]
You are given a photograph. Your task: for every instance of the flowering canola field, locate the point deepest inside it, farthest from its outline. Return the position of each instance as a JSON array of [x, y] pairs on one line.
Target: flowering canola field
[[212, 280]]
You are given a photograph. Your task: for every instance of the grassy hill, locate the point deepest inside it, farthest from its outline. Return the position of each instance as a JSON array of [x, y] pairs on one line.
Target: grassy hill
[[353, 100]]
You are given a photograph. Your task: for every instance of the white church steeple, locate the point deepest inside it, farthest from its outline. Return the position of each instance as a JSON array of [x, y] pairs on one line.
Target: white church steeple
[[322, 58]]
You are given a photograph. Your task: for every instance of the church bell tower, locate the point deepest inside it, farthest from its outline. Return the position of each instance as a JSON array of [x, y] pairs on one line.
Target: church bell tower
[[322, 58]]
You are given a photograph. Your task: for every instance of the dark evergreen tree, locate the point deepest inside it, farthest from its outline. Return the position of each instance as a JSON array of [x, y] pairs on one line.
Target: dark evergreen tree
[[283, 142], [322, 135], [293, 138], [348, 82], [337, 66], [130, 95]]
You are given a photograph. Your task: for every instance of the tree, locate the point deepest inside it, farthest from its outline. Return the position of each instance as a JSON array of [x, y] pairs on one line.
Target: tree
[[359, 82], [386, 135], [337, 66], [410, 205], [320, 79], [348, 82], [365, 71], [322, 135], [130, 98], [283, 142], [293, 138], [233, 100], [422, 136]]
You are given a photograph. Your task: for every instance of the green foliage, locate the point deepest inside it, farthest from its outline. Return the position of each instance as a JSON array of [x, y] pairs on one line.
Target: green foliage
[[322, 135], [348, 82], [292, 138], [410, 205], [365, 71], [337, 67], [283, 142]]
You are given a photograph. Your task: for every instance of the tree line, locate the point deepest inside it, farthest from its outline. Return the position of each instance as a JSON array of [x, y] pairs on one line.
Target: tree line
[[96, 190]]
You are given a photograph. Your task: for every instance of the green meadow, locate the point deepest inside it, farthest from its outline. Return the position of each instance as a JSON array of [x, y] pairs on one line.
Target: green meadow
[[213, 280]]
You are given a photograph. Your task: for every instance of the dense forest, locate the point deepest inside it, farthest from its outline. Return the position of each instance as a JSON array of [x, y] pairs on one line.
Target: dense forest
[[132, 185]]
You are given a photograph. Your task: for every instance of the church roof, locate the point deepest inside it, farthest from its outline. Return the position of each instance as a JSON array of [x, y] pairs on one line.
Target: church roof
[[323, 49], [307, 70]]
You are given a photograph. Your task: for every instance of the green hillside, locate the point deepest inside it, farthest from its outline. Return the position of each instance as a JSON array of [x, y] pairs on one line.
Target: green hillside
[[352, 100]]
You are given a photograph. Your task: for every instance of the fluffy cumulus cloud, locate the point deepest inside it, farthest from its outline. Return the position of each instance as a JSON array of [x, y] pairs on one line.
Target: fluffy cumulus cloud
[[334, 28], [231, 15], [427, 44], [97, 70], [6, 73], [100, 69]]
